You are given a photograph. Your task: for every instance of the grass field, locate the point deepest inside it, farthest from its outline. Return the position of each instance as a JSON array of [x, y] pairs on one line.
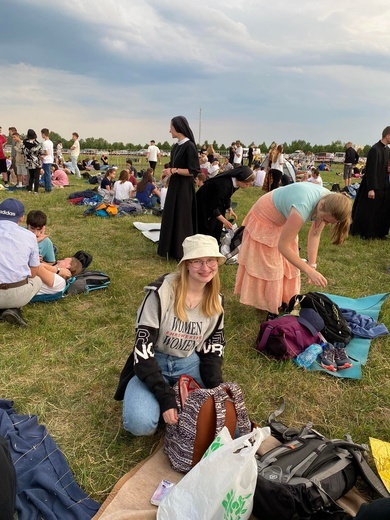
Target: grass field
[[65, 366]]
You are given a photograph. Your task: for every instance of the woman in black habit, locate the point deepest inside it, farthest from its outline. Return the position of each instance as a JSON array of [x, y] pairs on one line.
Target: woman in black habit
[[213, 200], [179, 216]]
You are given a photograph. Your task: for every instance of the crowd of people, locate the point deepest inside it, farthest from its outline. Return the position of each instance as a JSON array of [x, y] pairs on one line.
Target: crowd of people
[[180, 323]]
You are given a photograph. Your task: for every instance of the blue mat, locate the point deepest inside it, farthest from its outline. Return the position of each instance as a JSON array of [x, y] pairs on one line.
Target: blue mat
[[358, 347]]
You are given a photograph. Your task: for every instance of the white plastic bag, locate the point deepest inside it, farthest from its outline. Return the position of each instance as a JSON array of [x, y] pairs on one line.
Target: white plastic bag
[[221, 485]]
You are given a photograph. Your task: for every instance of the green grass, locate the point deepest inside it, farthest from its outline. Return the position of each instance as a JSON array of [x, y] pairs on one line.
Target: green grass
[[65, 366]]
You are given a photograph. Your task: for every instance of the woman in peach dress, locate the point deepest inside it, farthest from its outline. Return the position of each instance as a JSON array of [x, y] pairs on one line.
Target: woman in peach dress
[[269, 263]]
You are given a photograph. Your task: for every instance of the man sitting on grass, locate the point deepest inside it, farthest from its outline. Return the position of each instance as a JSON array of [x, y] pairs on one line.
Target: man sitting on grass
[[19, 263]]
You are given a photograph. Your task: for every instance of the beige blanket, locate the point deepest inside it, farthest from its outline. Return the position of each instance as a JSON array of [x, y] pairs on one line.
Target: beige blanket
[[130, 497]]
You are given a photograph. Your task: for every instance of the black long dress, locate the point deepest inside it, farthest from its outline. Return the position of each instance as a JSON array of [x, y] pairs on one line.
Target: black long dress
[[213, 200], [179, 216], [371, 217]]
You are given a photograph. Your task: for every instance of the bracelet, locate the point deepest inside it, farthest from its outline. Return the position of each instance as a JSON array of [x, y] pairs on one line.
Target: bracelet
[[314, 266], [170, 169], [58, 270], [177, 170]]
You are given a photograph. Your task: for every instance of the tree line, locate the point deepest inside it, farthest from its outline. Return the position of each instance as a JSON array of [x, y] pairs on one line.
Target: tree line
[[102, 144]]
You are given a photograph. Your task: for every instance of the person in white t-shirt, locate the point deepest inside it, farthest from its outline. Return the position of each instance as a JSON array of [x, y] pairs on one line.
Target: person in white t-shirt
[[54, 276], [237, 161], [315, 177], [123, 188], [213, 170], [74, 154], [47, 158], [153, 154], [277, 162], [259, 171]]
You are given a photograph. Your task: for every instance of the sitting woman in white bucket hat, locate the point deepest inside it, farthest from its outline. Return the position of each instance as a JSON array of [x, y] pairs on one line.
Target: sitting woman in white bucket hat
[[179, 331]]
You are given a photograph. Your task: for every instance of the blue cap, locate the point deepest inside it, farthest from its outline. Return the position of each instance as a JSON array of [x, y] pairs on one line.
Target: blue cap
[[11, 209]]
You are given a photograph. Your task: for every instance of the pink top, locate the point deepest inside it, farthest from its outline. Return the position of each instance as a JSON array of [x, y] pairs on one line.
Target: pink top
[[60, 178]]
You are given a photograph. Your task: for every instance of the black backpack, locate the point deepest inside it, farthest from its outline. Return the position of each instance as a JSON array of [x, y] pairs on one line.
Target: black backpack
[[305, 476], [336, 327], [88, 281]]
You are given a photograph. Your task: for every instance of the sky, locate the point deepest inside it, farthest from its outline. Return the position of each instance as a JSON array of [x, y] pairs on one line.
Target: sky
[[262, 71]]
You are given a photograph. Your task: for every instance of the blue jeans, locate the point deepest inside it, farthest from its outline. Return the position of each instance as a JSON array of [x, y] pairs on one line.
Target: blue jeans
[[76, 170], [152, 202], [47, 176], [141, 410]]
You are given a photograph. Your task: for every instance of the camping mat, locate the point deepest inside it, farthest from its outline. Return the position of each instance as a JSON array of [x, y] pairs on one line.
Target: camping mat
[[130, 497], [358, 348], [149, 230]]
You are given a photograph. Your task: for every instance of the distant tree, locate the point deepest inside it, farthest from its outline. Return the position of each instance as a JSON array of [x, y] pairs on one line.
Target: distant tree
[[166, 146], [222, 148], [117, 146], [56, 138], [129, 146], [364, 151]]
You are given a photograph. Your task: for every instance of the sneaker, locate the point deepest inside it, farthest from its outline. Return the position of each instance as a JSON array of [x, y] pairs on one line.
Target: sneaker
[[341, 356], [327, 358], [14, 316]]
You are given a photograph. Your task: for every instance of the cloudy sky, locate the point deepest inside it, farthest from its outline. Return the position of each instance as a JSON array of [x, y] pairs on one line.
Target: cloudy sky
[[258, 70]]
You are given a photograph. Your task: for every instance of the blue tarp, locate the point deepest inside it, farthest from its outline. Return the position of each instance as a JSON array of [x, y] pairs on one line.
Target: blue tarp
[[358, 347]]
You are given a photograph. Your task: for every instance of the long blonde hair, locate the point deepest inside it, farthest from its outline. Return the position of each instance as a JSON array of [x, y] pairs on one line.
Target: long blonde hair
[[276, 152], [211, 302], [340, 207]]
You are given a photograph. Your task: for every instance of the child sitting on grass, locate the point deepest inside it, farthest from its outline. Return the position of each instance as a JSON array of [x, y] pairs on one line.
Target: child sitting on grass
[[36, 223]]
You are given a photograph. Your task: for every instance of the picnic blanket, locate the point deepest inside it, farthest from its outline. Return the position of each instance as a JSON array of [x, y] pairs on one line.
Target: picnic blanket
[[130, 497], [358, 348], [46, 487]]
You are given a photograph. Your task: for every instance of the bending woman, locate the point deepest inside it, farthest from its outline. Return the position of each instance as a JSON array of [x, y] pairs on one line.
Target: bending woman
[[213, 200], [179, 217], [270, 266], [179, 331]]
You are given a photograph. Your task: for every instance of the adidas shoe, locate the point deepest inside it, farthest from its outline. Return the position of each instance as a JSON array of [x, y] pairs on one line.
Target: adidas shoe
[[327, 358], [341, 356]]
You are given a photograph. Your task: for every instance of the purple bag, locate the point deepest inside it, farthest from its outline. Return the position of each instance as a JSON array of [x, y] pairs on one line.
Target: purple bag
[[285, 337]]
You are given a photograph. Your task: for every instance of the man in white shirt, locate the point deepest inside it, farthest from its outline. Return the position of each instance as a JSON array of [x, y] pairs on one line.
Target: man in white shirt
[[153, 154], [74, 154], [19, 262], [237, 155], [47, 158]]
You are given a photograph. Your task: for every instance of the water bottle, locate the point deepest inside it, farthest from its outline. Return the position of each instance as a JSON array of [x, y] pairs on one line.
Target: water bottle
[[308, 356]]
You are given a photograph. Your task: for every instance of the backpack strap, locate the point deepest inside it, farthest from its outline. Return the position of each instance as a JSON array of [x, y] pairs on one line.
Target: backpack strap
[[220, 396], [294, 300], [278, 429], [356, 450], [243, 421], [264, 338]]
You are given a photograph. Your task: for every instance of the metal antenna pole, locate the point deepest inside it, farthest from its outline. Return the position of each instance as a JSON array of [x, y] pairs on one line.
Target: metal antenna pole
[[200, 124]]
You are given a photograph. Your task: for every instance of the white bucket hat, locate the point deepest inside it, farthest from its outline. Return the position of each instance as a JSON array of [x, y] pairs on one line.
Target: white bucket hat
[[200, 246]]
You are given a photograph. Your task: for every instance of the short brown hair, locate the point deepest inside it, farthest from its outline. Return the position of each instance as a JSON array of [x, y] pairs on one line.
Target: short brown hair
[[76, 134], [45, 131], [75, 266], [36, 218], [386, 131]]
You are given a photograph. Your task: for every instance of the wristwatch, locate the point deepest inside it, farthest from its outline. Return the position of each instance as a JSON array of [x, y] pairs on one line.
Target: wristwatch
[[58, 270]]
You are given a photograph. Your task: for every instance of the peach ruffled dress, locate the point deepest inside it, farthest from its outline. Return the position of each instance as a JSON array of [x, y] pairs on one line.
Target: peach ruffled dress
[[265, 278]]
